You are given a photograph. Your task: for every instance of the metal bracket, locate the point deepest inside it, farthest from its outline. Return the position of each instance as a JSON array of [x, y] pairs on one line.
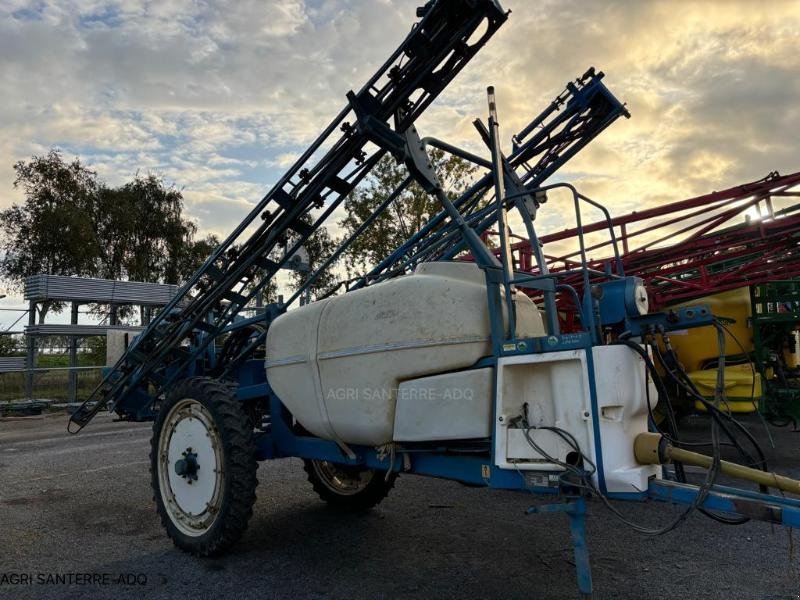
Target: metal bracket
[[575, 509], [419, 163]]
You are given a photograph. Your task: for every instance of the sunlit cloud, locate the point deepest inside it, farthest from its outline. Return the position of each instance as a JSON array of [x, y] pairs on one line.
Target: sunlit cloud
[[221, 97]]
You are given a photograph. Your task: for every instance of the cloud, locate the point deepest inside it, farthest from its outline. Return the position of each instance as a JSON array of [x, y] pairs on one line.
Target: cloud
[[221, 97]]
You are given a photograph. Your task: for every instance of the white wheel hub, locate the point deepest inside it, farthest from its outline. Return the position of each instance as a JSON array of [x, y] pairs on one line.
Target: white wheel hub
[[190, 467]]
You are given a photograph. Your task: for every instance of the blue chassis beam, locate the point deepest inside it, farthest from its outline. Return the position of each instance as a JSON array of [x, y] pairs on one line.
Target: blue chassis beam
[[282, 442], [478, 470]]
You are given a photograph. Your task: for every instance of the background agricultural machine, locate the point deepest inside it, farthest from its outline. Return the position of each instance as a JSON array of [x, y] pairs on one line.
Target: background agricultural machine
[[736, 250], [428, 364]]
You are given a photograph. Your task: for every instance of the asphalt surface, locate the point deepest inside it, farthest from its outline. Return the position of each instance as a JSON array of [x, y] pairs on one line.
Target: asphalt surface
[[82, 505]]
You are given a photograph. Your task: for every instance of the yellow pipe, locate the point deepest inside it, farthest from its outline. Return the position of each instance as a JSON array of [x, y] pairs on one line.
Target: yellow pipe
[[653, 449]]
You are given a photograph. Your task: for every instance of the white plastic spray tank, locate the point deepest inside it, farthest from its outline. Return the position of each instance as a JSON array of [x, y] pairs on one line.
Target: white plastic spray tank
[[337, 364]]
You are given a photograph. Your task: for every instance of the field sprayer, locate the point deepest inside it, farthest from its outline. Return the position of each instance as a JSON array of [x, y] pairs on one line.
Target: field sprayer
[[428, 364]]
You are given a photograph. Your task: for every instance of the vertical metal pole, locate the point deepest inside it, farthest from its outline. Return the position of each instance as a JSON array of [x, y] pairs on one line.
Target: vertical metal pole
[[73, 357], [113, 319], [575, 509], [502, 222], [550, 309], [624, 234], [30, 358], [577, 527]]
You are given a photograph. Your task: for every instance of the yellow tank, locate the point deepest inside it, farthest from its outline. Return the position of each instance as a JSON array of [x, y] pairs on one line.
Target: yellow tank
[[793, 358], [695, 347], [742, 393]]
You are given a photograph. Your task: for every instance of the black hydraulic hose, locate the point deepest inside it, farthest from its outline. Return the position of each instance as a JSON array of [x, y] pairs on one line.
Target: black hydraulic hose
[[680, 378], [715, 442], [582, 478], [720, 415], [683, 381]]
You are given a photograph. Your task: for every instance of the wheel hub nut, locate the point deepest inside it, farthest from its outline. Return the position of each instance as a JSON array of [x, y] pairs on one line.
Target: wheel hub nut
[[187, 466]]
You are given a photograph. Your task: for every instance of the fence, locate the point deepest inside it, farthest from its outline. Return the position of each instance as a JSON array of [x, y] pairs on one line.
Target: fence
[[48, 384], [54, 369]]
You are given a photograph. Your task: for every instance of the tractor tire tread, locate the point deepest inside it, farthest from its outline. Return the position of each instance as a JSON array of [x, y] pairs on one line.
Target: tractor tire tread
[[239, 453], [372, 495]]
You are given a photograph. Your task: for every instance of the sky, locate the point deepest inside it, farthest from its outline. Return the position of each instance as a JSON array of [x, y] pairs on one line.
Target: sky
[[220, 97]]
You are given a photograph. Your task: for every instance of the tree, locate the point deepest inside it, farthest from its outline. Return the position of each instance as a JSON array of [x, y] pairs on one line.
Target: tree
[[142, 233], [52, 232], [11, 345], [192, 254], [319, 246], [405, 216], [96, 350], [72, 223]]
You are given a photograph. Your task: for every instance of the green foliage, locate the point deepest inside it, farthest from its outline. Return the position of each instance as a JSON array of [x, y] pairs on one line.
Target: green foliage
[[11, 345], [50, 233], [405, 216], [72, 223], [95, 353], [319, 246]]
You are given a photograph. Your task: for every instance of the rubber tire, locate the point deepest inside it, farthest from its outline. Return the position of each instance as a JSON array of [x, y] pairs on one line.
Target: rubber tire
[[372, 495], [239, 456]]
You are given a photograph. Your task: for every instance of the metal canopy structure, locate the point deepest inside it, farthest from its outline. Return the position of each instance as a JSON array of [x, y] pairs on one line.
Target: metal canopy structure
[[78, 330], [692, 248], [41, 288]]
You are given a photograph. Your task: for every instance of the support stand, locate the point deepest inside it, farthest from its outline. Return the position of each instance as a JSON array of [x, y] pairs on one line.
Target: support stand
[[30, 355], [575, 508], [72, 396]]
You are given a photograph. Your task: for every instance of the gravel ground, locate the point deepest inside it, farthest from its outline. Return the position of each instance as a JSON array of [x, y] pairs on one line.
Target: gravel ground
[[82, 505]]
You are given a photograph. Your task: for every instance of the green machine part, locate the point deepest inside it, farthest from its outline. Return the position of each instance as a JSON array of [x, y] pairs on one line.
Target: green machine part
[[775, 320]]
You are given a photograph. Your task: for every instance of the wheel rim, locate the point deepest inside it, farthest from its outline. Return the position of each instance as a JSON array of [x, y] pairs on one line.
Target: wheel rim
[[343, 480], [190, 467]]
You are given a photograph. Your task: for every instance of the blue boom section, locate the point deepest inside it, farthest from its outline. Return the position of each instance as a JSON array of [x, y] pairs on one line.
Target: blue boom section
[[448, 35]]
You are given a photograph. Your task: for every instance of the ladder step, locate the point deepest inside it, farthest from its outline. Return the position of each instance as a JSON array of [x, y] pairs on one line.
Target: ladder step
[[340, 186], [234, 297], [283, 199], [214, 272], [264, 263], [301, 227]]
